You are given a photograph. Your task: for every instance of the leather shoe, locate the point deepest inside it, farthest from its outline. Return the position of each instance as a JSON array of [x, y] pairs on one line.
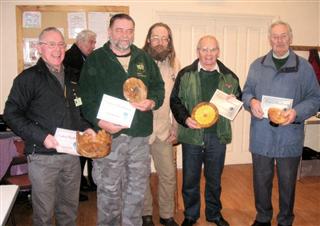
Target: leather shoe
[[188, 222], [284, 225], [219, 222], [147, 220], [168, 221], [83, 197], [258, 223]]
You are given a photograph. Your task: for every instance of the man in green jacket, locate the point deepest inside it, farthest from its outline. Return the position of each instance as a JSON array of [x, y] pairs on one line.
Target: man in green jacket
[[122, 176], [197, 83]]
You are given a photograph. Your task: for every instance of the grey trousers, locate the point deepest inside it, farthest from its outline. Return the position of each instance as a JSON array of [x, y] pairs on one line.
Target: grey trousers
[[162, 154], [263, 173], [121, 180], [55, 189]]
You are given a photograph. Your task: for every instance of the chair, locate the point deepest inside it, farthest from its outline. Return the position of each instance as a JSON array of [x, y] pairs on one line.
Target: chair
[[22, 180]]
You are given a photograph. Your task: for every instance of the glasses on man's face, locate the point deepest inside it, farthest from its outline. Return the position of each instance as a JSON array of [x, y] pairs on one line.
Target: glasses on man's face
[[157, 39], [208, 50], [53, 45]]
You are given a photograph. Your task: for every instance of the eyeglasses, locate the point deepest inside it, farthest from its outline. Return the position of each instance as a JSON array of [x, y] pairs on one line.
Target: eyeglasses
[[157, 39], [53, 45], [208, 50], [279, 37]]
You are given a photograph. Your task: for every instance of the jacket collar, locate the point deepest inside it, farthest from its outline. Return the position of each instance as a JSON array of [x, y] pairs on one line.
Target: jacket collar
[[292, 64]]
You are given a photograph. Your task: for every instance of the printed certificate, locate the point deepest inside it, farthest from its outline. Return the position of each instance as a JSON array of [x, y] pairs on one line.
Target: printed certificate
[[67, 140], [228, 106], [116, 110], [278, 102]]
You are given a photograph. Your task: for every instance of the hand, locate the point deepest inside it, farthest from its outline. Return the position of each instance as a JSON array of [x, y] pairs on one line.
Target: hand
[[50, 142], [256, 108], [110, 127], [291, 115], [192, 123], [90, 132], [172, 138], [145, 105]]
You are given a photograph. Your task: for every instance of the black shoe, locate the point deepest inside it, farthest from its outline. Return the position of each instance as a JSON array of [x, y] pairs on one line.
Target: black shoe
[[83, 197], [284, 225], [168, 221], [258, 223], [188, 222], [147, 220], [220, 221]]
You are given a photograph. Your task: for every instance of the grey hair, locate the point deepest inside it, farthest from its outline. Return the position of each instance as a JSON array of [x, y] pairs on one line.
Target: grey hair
[[85, 35], [207, 37], [49, 29], [280, 22]]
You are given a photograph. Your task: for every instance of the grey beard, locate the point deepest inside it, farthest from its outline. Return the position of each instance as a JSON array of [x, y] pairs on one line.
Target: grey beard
[[159, 56]]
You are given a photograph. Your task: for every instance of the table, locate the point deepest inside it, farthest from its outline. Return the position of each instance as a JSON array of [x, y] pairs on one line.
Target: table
[[7, 152], [8, 195]]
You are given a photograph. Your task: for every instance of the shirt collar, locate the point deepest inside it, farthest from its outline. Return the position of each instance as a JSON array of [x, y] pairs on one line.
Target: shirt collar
[[216, 67]]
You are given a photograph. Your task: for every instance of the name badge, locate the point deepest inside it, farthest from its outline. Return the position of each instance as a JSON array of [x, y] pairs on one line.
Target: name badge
[[77, 101]]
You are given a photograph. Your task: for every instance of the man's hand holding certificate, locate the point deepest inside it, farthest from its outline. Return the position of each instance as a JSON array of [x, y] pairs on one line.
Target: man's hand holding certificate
[[228, 106]]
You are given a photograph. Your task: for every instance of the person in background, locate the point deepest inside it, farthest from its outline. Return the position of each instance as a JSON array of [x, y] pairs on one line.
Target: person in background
[[159, 45], [194, 84], [43, 98], [282, 74], [75, 57], [80, 50], [122, 176]]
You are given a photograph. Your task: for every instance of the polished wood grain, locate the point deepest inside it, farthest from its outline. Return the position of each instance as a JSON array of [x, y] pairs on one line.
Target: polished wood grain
[[237, 200]]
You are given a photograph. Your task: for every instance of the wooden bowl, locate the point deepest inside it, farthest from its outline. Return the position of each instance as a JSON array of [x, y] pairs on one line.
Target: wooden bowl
[[134, 90], [205, 114], [276, 115], [94, 147]]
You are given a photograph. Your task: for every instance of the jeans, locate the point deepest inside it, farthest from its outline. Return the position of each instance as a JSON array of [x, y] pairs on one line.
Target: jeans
[[212, 155], [263, 173]]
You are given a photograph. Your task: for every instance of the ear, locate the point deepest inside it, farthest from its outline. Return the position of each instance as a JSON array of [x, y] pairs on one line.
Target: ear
[[39, 49]]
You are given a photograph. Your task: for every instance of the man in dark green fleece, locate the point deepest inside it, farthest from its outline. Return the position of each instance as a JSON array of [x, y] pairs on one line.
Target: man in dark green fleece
[[122, 176], [194, 84]]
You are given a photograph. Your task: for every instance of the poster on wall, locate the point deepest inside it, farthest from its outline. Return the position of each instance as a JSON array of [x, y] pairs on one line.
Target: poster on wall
[[76, 23], [30, 52], [31, 19]]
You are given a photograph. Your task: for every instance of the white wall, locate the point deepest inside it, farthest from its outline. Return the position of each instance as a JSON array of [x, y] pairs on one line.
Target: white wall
[[303, 16]]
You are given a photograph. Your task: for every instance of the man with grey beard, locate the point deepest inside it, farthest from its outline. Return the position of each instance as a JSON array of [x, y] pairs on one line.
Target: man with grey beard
[[122, 176], [159, 45]]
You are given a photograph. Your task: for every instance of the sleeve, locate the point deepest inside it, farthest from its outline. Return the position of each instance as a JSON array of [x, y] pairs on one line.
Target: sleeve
[[178, 110], [310, 99], [156, 86], [248, 89], [88, 92], [16, 110]]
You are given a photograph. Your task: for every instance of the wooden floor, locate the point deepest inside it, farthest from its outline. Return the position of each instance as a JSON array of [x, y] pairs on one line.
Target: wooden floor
[[237, 200]]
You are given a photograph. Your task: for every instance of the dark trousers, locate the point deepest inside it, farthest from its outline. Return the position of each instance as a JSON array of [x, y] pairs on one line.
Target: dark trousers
[[263, 173], [212, 155]]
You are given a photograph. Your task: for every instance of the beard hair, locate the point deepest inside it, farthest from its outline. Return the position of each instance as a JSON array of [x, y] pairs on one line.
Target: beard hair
[[119, 46], [159, 53]]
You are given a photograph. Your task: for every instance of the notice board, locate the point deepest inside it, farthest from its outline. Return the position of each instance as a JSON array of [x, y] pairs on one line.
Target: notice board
[[70, 20]]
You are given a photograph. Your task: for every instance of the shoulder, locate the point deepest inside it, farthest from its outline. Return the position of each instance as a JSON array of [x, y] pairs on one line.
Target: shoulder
[[225, 70]]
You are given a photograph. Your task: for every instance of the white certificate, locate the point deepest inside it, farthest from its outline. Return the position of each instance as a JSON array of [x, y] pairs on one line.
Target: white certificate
[[116, 110], [67, 140], [278, 102], [227, 106]]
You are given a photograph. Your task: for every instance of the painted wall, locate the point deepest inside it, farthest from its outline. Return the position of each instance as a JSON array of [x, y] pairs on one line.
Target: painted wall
[[303, 16]]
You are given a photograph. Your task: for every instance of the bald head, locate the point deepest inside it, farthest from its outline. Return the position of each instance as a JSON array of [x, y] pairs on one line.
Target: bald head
[[208, 51]]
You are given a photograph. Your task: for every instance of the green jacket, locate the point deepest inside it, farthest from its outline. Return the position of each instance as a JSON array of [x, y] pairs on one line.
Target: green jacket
[[102, 73], [186, 94]]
